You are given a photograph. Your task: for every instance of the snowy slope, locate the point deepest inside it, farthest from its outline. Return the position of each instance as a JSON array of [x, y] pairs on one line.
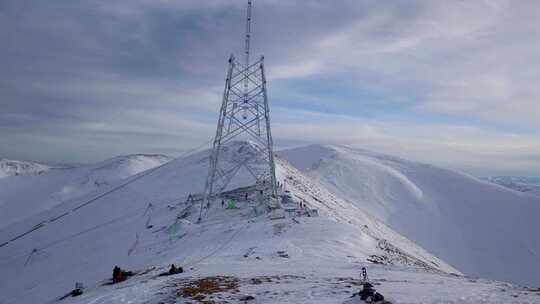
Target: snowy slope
[[10, 167], [94, 235], [479, 228], [291, 260], [529, 185], [285, 280], [37, 188]]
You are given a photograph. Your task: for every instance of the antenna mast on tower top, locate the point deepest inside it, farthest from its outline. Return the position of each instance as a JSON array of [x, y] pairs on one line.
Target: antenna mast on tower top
[[248, 34], [246, 60]]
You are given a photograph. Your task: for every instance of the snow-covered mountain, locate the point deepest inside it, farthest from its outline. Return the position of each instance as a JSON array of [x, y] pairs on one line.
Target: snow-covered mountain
[[477, 227], [10, 167], [37, 187], [530, 185], [313, 254]]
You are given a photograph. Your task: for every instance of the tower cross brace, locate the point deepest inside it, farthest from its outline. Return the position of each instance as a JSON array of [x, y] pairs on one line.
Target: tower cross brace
[[244, 114]]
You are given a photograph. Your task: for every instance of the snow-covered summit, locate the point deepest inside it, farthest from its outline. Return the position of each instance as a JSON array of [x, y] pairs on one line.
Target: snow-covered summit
[[120, 167], [17, 167], [479, 228], [25, 195]]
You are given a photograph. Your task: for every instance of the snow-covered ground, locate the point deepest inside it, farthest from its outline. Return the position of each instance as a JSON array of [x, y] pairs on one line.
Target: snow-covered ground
[[37, 187], [147, 224], [293, 281], [529, 185], [479, 228]]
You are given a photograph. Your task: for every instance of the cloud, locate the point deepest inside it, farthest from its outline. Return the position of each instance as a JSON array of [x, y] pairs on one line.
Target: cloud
[[466, 59], [478, 151], [453, 83]]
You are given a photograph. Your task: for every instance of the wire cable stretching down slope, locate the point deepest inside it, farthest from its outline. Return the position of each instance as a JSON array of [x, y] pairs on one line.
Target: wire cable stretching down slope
[[98, 197], [135, 213]]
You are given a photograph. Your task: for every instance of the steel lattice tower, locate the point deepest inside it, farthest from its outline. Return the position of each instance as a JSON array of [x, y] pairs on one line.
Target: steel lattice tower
[[244, 114]]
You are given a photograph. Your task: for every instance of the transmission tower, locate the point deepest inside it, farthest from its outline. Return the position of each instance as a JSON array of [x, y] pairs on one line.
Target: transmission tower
[[244, 114]]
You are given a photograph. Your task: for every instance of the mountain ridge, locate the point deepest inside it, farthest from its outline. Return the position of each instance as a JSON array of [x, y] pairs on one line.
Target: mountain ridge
[[447, 212], [26, 194]]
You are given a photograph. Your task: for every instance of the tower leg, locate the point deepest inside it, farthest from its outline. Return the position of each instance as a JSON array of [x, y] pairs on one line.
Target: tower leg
[[214, 155]]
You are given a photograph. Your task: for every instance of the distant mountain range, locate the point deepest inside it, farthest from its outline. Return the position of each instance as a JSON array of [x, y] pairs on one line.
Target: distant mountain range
[[530, 185], [10, 167]]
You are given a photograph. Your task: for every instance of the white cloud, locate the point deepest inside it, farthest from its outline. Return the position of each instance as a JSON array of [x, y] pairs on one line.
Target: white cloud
[[150, 72], [475, 150], [296, 70], [468, 59]]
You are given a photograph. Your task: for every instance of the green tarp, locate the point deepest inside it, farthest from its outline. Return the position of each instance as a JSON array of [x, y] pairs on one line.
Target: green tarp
[[231, 205]]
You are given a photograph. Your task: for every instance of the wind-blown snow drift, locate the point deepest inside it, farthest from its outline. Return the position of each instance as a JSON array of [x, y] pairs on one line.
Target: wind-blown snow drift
[[479, 228]]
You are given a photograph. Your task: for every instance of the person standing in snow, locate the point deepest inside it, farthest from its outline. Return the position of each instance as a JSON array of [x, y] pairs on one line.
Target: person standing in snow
[[175, 270], [117, 275], [120, 275]]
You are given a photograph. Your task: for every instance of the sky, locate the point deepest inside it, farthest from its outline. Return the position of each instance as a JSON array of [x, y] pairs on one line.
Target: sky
[[451, 83]]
